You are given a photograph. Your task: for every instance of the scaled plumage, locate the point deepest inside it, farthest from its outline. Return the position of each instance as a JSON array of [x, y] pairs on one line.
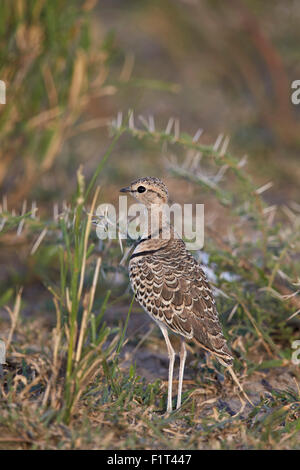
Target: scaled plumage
[[172, 287]]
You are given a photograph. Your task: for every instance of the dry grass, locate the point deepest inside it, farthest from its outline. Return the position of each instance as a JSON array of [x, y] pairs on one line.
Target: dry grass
[[84, 367], [75, 385]]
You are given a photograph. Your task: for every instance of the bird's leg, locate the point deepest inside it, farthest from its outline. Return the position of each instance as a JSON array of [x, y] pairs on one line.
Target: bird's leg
[[171, 354], [181, 372]]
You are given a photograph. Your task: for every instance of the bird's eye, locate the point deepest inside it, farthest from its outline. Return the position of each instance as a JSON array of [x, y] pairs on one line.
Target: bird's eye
[[141, 189]]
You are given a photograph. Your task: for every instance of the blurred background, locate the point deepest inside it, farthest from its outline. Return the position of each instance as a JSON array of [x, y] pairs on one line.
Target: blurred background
[[70, 67]]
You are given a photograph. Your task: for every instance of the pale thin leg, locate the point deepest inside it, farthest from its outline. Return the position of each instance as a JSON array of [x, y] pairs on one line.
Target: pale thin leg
[[181, 372], [171, 354]]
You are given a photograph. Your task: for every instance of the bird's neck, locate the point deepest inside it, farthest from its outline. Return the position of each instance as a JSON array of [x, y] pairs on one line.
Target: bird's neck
[[157, 222]]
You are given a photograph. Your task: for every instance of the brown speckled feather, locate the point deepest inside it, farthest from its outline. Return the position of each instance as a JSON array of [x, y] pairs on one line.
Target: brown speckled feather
[[171, 286], [173, 289]]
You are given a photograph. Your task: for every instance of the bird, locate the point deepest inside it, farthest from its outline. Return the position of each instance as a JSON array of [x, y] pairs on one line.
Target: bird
[[171, 285]]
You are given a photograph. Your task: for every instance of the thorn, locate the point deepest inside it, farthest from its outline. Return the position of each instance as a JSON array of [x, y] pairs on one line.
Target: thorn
[[38, 241], [177, 129], [20, 227], [119, 119], [197, 135], [224, 146], [264, 188], [218, 142], [34, 209], [243, 161], [131, 120], [151, 124], [169, 126]]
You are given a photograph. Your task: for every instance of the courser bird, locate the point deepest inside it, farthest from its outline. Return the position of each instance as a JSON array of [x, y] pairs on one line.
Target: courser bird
[[171, 286]]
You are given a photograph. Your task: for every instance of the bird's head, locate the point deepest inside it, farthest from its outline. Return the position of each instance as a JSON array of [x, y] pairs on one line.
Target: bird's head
[[148, 191]]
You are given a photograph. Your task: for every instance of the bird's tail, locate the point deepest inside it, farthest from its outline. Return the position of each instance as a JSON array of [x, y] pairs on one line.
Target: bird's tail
[[236, 380], [225, 358], [227, 362]]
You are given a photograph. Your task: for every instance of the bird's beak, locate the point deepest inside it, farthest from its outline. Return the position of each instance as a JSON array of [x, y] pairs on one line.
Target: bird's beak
[[125, 190]]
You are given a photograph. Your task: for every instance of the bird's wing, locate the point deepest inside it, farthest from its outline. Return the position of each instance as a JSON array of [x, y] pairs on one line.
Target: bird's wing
[[172, 288]]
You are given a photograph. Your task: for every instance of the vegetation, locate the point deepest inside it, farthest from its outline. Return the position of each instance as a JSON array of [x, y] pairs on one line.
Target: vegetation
[[78, 346]]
